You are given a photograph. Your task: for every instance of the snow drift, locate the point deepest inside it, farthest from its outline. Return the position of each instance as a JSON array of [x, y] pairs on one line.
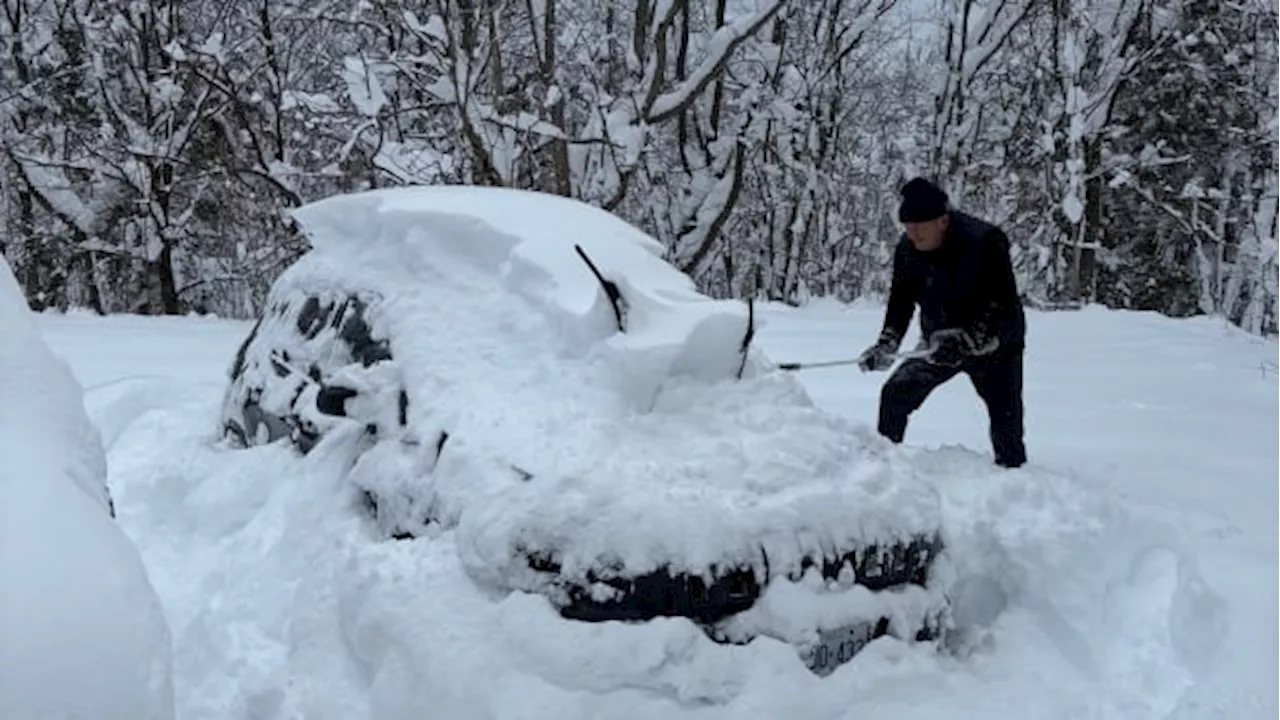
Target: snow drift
[[81, 629]]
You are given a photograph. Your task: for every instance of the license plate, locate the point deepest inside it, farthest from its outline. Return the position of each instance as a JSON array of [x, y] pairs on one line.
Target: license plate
[[837, 646]]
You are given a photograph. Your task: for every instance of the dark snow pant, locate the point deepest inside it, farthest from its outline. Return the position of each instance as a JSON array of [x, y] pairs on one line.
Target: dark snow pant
[[998, 381]]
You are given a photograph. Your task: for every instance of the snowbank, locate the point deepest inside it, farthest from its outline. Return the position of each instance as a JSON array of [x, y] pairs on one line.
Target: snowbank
[[631, 449], [283, 605], [81, 629]]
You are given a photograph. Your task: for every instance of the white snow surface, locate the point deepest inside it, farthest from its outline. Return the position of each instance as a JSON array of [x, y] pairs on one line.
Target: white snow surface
[[1129, 571], [645, 450], [82, 633]]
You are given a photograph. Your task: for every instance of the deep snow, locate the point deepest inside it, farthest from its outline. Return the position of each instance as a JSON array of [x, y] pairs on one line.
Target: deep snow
[[82, 633], [1129, 571]]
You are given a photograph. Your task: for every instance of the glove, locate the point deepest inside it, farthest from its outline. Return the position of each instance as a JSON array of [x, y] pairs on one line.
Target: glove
[[876, 358], [952, 346], [982, 336], [879, 357]]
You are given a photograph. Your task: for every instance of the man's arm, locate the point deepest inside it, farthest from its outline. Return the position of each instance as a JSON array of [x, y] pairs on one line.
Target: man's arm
[[996, 288], [902, 301]]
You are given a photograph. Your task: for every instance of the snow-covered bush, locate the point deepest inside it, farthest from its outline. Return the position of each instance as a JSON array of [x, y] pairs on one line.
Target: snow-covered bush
[[82, 634], [528, 371]]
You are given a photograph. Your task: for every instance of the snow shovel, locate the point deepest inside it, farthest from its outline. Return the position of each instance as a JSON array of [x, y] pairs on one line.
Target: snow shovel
[[908, 355]]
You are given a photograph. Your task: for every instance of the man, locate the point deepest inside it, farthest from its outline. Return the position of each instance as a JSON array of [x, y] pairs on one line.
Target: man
[[956, 268]]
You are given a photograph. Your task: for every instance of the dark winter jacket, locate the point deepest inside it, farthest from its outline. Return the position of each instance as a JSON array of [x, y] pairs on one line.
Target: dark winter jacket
[[967, 283]]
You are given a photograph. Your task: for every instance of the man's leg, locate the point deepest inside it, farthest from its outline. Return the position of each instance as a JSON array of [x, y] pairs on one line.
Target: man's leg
[[904, 392], [998, 381]]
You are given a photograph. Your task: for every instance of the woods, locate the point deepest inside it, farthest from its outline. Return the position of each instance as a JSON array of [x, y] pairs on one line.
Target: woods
[[149, 149]]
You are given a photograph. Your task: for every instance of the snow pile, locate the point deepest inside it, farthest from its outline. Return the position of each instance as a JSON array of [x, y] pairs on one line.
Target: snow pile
[[559, 434], [81, 629], [285, 606]]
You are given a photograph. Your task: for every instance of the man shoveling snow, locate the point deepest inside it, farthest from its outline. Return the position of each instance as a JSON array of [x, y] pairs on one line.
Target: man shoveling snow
[[957, 269]]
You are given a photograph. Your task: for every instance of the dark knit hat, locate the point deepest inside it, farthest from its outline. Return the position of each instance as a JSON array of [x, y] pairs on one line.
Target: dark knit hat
[[921, 201]]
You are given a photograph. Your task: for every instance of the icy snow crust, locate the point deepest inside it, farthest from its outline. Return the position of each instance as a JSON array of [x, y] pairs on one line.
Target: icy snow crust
[[82, 633], [641, 448]]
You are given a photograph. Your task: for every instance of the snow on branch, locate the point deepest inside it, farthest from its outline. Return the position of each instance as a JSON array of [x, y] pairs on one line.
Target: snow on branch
[[54, 188], [720, 48], [976, 40]]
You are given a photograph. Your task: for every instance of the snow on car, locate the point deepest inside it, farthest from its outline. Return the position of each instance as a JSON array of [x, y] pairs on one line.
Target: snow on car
[[526, 373]]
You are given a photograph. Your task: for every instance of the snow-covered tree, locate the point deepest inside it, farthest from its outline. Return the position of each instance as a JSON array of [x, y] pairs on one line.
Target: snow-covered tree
[[149, 149], [1193, 169], [975, 32], [47, 122], [823, 129], [1095, 51]]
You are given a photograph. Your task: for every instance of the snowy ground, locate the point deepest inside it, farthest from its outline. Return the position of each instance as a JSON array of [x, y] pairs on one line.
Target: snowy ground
[[1137, 550]]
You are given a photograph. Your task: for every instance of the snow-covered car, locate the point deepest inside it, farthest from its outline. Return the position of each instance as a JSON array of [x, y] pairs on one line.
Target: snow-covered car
[[525, 376]]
